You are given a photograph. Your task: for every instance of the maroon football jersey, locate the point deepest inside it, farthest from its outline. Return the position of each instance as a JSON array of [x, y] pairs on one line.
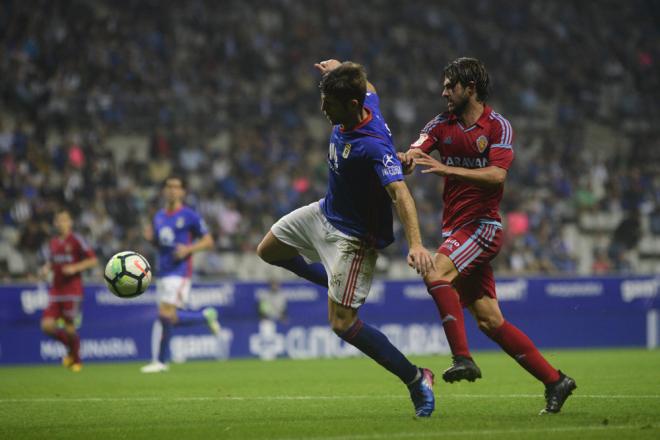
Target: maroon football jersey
[[63, 251], [486, 143]]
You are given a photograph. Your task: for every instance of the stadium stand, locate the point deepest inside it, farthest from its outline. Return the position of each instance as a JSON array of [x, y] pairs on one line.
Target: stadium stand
[[99, 102]]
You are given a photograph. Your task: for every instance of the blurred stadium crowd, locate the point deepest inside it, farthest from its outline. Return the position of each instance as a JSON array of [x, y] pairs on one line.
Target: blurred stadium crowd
[[99, 101]]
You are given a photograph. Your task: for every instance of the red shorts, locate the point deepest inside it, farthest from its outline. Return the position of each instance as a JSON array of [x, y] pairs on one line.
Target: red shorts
[[68, 309], [471, 248]]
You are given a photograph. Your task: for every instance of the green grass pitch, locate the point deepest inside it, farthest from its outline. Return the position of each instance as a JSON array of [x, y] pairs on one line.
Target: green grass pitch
[[618, 396]]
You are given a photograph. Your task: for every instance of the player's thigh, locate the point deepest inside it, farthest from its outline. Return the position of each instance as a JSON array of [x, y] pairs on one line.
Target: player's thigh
[[472, 246], [173, 291], [350, 265], [340, 317], [273, 249], [302, 230], [444, 270]]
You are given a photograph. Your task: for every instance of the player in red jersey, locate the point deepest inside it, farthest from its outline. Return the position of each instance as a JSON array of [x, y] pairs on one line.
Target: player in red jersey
[[68, 257], [475, 146]]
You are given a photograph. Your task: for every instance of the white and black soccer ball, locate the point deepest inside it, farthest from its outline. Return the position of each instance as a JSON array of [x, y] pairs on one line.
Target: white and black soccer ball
[[127, 274]]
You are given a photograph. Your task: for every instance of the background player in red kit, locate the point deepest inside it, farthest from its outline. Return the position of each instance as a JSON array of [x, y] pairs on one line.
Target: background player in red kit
[[68, 256], [475, 148]]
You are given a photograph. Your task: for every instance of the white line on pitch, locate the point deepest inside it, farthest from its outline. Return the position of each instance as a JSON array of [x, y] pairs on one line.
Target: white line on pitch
[[347, 397], [471, 433]]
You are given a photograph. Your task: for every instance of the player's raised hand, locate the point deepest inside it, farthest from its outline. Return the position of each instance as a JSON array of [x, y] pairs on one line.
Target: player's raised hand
[[182, 251], [432, 165], [421, 260], [327, 66]]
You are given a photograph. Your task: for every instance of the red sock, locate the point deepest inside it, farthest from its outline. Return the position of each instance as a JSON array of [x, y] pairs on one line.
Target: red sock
[[451, 313], [517, 345], [75, 347], [63, 337]]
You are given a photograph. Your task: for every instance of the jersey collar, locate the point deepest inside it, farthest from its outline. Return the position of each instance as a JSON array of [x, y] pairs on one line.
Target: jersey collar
[[481, 122], [364, 122], [171, 213]]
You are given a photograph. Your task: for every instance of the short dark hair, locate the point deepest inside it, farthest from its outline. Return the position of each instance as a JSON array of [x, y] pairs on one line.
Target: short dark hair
[[346, 82], [469, 70], [62, 210], [175, 177]]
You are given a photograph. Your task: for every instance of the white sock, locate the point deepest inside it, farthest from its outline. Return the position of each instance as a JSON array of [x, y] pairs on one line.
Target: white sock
[[156, 336]]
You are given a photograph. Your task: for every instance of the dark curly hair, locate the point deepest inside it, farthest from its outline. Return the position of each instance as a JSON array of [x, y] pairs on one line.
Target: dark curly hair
[[469, 70]]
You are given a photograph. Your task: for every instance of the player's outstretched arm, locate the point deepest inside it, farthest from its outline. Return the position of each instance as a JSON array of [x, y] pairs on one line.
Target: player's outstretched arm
[[418, 257], [80, 266], [488, 176]]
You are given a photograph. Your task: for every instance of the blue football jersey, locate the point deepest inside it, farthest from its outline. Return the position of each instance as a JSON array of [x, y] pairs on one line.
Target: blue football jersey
[[172, 228], [361, 162]]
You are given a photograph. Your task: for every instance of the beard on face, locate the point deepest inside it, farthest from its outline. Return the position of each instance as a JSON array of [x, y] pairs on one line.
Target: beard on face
[[459, 106]]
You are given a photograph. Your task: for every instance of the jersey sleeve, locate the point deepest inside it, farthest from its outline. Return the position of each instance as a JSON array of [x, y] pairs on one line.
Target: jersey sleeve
[[501, 144], [84, 249], [198, 225], [428, 137], [382, 158]]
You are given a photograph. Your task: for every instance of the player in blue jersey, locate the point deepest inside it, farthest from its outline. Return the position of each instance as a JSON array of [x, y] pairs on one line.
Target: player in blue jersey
[[344, 230], [178, 231]]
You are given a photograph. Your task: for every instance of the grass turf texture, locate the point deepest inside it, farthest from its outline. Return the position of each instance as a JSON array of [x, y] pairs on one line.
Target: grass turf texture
[[618, 396]]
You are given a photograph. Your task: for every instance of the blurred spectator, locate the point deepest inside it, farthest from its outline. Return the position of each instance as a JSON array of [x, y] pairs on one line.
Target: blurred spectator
[[191, 89], [272, 303], [625, 238]]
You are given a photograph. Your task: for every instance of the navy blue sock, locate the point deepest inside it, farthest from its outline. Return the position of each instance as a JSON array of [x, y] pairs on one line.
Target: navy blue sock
[[190, 317], [374, 344], [314, 272], [164, 349]]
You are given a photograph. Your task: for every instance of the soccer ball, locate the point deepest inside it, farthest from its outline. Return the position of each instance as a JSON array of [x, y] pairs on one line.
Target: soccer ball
[[127, 274]]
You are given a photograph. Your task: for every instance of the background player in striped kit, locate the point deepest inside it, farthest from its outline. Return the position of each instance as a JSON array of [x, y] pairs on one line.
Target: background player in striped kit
[[345, 229], [475, 145], [68, 255], [178, 231]]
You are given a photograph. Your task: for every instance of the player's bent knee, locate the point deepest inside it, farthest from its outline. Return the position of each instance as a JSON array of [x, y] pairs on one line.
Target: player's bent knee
[[269, 249], [48, 327], [489, 324], [167, 311], [444, 270], [339, 325], [262, 251]]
